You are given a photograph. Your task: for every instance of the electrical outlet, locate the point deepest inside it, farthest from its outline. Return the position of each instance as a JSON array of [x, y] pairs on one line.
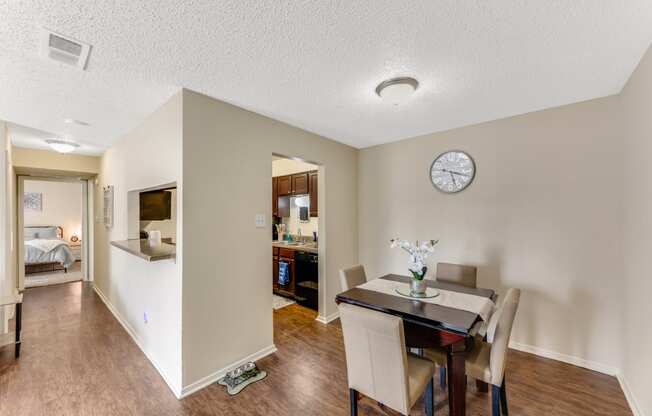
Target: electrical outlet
[[145, 317]]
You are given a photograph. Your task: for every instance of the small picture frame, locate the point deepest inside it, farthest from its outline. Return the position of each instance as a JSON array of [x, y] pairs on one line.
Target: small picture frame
[[108, 206], [33, 201]]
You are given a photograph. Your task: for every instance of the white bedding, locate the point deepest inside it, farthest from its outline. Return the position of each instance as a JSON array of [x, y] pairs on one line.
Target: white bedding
[[38, 251]]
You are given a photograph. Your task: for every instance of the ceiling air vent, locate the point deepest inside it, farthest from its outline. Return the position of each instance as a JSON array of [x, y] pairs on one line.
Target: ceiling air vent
[[64, 49]]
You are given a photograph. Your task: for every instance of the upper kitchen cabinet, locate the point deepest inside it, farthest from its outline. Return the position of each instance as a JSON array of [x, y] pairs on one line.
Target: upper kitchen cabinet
[[314, 206], [275, 197], [283, 204], [300, 183], [284, 185]]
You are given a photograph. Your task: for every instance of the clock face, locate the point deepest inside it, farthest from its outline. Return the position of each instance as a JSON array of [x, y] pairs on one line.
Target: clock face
[[452, 171]]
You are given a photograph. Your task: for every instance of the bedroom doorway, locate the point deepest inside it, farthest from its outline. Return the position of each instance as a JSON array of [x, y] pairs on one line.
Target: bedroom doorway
[[53, 230]]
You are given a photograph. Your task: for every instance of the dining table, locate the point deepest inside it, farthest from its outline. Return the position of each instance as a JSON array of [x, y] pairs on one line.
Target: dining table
[[428, 324]]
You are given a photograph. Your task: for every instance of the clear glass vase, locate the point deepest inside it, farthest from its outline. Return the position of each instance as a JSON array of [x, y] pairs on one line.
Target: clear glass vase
[[418, 287]]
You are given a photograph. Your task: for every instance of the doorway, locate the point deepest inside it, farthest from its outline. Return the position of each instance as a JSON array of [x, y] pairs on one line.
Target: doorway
[[54, 230], [295, 236]]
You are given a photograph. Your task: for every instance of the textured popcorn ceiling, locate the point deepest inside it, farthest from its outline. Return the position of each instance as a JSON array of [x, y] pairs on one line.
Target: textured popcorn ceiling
[[315, 64]]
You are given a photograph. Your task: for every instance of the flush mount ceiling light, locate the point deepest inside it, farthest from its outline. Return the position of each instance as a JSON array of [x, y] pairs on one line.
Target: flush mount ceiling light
[[62, 146], [397, 90]]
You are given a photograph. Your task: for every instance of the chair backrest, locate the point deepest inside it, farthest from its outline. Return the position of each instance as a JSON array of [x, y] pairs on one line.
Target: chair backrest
[[352, 277], [503, 332], [376, 358], [457, 273], [493, 321]]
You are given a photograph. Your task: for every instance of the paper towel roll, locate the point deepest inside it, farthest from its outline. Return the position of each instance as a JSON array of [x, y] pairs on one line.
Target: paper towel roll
[[154, 238]]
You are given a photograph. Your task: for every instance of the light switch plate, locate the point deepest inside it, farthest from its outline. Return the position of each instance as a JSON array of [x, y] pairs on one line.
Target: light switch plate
[[260, 220]]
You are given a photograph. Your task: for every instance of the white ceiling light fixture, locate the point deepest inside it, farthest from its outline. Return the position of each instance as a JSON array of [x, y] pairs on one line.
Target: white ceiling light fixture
[[397, 90], [62, 146]]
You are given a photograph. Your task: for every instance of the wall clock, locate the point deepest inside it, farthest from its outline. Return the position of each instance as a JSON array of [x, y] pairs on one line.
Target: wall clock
[[452, 171]]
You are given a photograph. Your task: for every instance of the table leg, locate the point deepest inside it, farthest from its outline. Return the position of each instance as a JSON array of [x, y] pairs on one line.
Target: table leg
[[481, 386], [457, 379], [19, 325]]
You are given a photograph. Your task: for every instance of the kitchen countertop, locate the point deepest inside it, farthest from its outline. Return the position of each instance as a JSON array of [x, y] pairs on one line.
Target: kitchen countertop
[[142, 249], [308, 247]]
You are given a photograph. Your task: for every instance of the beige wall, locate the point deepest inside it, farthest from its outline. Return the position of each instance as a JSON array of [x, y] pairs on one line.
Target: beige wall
[[6, 282], [62, 206], [227, 285], [148, 156], [44, 159], [637, 202], [543, 214]]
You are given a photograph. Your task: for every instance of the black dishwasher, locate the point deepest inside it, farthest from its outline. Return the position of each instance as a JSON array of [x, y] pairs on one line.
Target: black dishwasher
[[306, 272]]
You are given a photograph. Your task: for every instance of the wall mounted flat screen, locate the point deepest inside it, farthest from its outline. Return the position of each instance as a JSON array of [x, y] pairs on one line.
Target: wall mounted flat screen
[[155, 205]]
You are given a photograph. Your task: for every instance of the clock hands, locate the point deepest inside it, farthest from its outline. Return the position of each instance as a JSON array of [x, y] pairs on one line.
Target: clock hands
[[452, 172], [453, 178]]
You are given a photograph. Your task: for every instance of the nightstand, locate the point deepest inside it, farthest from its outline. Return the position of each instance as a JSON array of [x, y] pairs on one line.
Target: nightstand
[[76, 250]]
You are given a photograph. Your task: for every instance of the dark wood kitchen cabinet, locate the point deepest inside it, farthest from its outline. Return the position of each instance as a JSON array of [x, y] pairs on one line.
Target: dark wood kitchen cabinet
[[275, 268], [286, 256], [275, 197], [313, 187], [284, 185], [283, 203], [300, 183]]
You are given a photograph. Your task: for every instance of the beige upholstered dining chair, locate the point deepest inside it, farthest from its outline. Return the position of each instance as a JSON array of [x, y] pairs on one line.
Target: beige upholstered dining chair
[[487, 360], [457, 273], [377, 363], [352, 277]]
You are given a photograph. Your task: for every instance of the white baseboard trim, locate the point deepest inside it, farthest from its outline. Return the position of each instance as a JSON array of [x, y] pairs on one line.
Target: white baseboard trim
[[591, 365], [633, 404], [133, 336], [327, 319], [568, 359], [212, 378]]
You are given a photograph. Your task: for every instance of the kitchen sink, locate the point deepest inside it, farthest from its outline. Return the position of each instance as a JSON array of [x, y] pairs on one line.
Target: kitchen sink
[[290, 243]]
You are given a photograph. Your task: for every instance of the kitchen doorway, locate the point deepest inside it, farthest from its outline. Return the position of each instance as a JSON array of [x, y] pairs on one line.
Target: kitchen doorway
[[296, 283]]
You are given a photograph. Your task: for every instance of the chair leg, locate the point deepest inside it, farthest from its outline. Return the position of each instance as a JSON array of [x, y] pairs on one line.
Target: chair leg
[[442, 377], [495, 400], [19, 328], [503, 397], [429, 399], [353, 397]]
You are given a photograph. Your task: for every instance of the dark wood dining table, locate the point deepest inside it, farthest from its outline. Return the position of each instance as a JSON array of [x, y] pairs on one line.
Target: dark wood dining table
[[428, 325]]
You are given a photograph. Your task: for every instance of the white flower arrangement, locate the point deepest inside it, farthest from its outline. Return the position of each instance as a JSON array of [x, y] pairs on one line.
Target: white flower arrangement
[[418, 255]]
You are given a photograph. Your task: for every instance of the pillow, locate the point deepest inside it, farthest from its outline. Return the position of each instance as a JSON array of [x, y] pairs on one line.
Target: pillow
[[32, 233], [48, 233]]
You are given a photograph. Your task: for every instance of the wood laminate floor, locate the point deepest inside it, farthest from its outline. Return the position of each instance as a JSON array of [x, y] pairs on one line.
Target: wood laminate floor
[[78, 360]]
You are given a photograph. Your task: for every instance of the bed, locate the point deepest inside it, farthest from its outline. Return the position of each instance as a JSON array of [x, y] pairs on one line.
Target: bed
[[46, 250]]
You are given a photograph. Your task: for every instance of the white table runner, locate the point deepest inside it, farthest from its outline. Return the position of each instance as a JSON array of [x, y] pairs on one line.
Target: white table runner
[[476, 304]]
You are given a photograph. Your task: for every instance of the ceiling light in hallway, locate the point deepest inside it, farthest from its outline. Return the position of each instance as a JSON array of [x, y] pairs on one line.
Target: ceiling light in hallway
[[62, 146], [397, 90]]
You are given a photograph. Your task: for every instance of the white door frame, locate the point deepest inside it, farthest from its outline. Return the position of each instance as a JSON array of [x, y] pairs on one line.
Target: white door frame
[[87, 224]]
